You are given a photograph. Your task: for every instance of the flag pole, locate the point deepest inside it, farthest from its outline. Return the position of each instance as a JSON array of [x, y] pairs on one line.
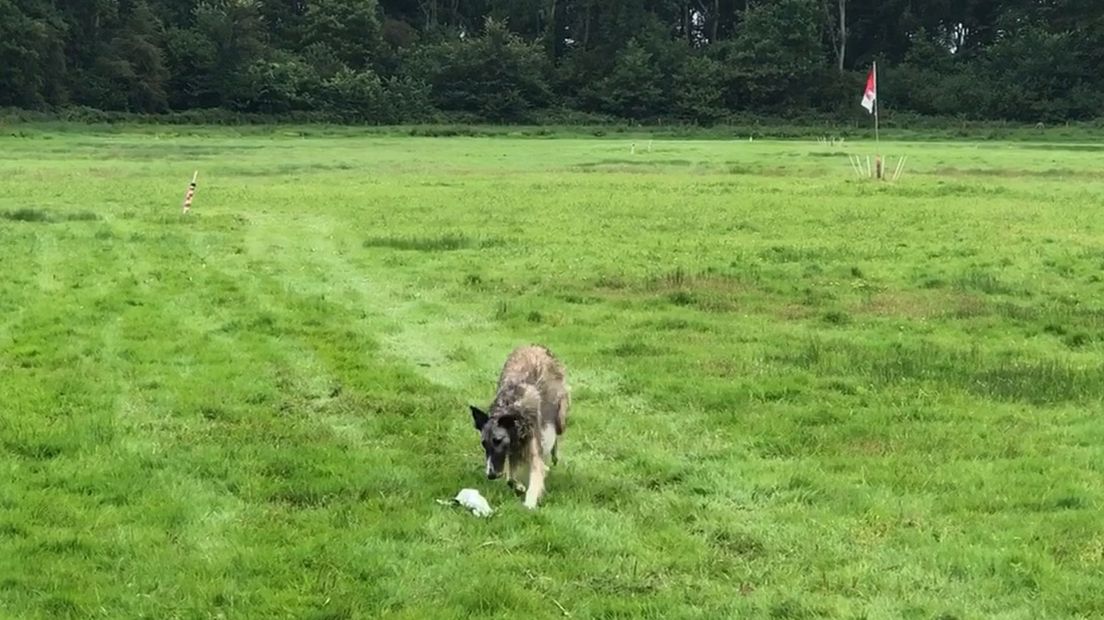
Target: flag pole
[[877, 138]]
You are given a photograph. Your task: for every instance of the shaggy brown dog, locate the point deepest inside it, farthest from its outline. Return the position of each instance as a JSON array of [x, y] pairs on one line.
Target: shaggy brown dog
[[526, 419]]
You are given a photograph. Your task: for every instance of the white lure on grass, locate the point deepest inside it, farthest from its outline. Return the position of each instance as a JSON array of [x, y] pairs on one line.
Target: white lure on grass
[[472, 500]]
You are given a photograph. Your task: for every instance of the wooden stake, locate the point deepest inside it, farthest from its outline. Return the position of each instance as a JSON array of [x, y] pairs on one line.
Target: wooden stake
[[900, 168], [190, 193], [854, 161]]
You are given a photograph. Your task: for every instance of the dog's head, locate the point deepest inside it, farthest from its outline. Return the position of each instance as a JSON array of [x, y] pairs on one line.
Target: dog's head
[[499, 437]]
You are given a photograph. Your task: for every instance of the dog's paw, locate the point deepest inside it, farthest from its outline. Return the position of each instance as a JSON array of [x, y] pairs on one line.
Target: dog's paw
[[531, 505], [518, 487]]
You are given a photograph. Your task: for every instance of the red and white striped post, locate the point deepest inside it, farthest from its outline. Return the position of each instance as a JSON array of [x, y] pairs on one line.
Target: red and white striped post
[[190, 193]]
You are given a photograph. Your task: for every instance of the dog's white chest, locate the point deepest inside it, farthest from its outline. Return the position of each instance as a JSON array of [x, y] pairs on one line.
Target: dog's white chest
[[548, 439]]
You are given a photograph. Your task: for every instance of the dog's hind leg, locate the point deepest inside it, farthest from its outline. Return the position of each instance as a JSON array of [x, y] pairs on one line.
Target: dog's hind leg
[[536, 476], [562, 406], [561, 425], [548, 440]]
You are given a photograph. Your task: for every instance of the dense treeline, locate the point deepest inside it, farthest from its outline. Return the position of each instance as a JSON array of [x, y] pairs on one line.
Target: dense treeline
[[388, 61]]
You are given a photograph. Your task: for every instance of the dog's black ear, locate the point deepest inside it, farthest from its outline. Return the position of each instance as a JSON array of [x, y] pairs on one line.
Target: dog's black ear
[[478, 417]]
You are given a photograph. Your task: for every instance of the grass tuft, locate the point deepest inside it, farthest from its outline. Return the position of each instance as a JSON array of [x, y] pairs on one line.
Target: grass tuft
[[440, 243], [26, 214]]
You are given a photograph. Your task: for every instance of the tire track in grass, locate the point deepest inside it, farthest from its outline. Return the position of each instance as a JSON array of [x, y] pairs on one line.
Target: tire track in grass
[[419, 340], [298, 478], [412, 331], [108, 342], [159, 344], [333, 368], [149, 439], [413, 335], [395, 315]]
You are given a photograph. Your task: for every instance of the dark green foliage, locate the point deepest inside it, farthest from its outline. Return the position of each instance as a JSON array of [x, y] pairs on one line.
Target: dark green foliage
[[634, 88], [350, 29], [495, 76], [699, 90], [393, 61], [356, 96], [773, 59], [32, 40], [279, 86]]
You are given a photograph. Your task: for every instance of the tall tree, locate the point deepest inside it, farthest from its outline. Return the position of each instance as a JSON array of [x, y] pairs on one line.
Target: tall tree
[[350, 28], [775, 56], [32, 54], [836, 26], [496, 75], [133, 63]]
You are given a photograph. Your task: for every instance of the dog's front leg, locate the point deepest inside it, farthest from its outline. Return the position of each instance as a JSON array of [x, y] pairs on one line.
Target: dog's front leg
[[511, 476], [536, 475]]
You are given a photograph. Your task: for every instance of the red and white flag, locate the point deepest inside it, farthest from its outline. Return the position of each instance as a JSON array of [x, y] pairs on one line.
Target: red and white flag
[[870, 95]]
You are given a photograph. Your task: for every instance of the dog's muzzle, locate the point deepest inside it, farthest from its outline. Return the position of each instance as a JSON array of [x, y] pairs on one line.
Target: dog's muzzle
[[491, 473]]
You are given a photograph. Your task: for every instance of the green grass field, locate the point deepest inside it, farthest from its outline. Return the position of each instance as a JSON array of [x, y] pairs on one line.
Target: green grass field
[[796, 394]]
